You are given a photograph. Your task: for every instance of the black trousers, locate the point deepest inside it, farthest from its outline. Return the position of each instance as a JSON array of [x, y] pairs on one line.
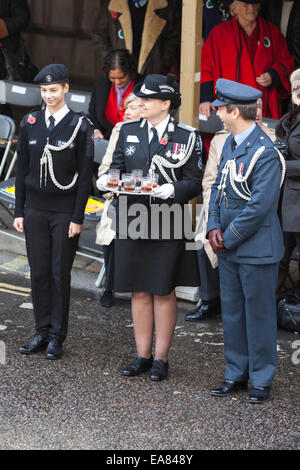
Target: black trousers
[[50, 254], [109, 263], [291, 240], [210, 284]]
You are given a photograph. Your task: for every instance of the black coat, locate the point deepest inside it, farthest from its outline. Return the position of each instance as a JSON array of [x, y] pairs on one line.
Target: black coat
[[16, 16], [272, 10], [288, 129], [97, 105]]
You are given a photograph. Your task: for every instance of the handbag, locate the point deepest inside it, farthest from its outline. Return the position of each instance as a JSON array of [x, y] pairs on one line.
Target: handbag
[[288, 313], [19, 68]]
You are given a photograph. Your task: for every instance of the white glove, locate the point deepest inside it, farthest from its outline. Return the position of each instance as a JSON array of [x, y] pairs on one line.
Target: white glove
[[164, 191], [101, 183]]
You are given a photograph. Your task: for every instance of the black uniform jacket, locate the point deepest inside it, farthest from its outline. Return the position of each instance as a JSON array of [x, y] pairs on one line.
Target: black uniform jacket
[[35, 192], [132, 152]]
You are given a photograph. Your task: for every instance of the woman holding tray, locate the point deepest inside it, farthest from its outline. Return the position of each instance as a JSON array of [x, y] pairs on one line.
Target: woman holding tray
[[151, 256]]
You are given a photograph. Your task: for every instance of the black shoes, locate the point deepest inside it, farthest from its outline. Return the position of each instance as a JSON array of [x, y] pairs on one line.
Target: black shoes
[[37, 344], [159, 370], [54, 349], [228, 387], [137, 366], [259, 394], [107, 299], [205, 310]]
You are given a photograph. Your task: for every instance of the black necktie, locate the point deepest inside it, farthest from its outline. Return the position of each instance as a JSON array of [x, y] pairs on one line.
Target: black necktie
[[233, 144], [154, 142], [52, 123]]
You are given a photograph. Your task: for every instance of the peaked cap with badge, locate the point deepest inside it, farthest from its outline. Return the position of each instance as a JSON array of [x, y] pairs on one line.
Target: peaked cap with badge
[[52, 73], [230, 92], [162, 87]]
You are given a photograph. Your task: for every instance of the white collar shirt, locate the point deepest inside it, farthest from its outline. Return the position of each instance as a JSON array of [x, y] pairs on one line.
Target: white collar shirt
[[58, 116], [161, 127]]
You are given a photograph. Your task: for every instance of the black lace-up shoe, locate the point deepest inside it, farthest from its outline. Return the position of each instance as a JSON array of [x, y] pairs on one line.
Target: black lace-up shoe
[[206, 309], [37, 344], [137, 366], [228, 387], [54, 349], [259, 394], [159, 370]]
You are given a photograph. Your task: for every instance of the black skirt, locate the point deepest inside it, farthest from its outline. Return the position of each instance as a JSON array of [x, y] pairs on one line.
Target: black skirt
[[154, 266]]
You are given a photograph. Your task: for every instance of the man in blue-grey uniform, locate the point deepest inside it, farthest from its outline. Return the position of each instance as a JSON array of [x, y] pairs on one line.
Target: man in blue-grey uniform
[[244, 230]]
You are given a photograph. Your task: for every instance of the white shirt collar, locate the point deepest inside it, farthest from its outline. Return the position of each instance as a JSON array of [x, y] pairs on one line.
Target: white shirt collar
[[161, 127], [58, 116]]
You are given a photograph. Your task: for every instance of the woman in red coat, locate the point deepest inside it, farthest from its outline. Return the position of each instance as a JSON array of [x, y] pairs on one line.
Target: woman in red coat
[[249, 50], [110, 92]]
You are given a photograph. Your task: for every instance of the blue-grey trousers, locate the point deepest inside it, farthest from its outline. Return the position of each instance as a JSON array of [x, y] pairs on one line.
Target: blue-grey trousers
[[249, 315]]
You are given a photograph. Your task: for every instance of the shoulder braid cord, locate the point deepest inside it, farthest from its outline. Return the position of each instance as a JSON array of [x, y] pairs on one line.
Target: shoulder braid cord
[[230, 167], [160, 161], [46, 159]]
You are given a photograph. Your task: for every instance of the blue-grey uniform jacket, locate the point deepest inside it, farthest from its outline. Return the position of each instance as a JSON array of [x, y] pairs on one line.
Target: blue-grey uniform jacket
[[251, 229]]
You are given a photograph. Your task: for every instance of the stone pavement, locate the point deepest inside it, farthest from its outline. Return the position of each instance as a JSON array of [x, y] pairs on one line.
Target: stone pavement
[[82, 401]]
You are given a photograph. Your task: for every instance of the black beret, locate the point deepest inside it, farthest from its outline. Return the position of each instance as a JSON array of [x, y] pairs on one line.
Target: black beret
[[52, 73]]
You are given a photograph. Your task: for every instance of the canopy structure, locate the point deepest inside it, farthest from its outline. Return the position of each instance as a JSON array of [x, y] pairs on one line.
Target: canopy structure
[[191, 42]]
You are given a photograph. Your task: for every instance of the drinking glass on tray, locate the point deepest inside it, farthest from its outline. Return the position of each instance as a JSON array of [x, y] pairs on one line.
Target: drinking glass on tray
[[128, 182], [146, 184], [138, 174], [113, 179]]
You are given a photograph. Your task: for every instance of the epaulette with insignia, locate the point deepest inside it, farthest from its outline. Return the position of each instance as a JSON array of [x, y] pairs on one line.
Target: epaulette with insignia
[[130, 122], [186, 127]]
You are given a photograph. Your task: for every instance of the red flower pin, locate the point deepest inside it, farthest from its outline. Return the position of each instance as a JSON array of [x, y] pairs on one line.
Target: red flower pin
[[114, 14], [31, 119], [163, 141]]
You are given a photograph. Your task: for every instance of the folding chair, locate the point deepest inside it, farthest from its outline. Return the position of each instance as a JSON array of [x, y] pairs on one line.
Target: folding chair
[[100, 147], [21, 94], [269, 122], [211, 125], [7, 132], [18, 94], [78, 101]]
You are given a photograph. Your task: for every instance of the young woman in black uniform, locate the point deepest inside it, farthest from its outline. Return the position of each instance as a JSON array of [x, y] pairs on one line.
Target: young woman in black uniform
[[151, 266], [55, 162]]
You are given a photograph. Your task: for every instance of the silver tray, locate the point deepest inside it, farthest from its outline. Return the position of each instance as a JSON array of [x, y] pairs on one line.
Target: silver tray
[[130, 193]]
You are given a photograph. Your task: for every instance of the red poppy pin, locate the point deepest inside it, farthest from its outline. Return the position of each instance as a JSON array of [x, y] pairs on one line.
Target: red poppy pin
[[114, 14], [164, 140], [31, 119]]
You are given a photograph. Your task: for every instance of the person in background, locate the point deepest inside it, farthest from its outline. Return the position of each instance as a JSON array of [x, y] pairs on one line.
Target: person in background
[[288, 130], [106, 107], [105, 237], [54, 176], [149, 29], [286, 15], [14, 18], [251, 51], [209, 304], [214, 12]]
